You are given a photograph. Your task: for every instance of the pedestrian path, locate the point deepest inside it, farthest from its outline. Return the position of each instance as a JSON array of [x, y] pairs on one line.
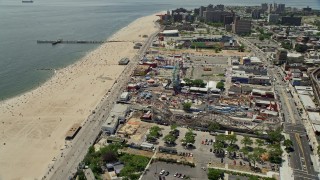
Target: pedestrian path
[[286, 171]]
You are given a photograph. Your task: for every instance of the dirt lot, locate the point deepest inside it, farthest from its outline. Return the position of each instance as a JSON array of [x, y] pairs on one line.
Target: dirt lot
[[138, 152], [178, 158]]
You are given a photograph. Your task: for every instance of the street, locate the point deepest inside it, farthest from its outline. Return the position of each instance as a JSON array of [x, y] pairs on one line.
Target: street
[[300, 158]]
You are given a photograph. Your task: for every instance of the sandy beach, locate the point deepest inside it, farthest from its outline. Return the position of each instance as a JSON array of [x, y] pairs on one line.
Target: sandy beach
[[34, 124]]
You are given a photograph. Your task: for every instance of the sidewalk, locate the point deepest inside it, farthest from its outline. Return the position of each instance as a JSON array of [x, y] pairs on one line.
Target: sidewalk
[[286, 171]]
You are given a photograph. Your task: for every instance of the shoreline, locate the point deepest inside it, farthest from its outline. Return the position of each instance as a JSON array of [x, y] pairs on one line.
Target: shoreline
[[36, 121], [55, 71]]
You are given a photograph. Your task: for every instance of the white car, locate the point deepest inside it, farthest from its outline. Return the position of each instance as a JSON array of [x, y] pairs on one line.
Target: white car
[[162, 172]]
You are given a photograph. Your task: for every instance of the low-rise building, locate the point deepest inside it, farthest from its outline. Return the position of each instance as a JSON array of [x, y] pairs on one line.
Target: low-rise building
[[170, 33], [116, 116], [295, 58], [141, 70], [261, 80], [124, 61]]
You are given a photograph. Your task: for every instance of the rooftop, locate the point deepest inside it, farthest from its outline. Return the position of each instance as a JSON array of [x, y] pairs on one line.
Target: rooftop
[[170, 32], [307, 101]]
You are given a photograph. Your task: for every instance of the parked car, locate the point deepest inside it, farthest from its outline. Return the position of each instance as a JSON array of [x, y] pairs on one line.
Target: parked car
[[162, 172]]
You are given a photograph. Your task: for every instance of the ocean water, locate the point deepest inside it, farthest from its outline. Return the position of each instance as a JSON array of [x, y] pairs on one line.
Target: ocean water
[[22, 24]]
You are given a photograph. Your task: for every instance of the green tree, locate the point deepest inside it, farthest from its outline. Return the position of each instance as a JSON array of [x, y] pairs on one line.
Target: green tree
[[109, 157], [256, 155], [301, 48], [187, 106], [318, 150], [215, 174], [259, 142], [286, 45], [288, 144], [245, 151], [214, 126], [173, 127], [254, 178], [220, 85], [218, 145], [275, 136], [241, 48], [189, 137], [231, 148], [169, 138], [199, 83], [232, 138], [275, 154], [154, 131], [246, 141], [221, 137], [261, 37]]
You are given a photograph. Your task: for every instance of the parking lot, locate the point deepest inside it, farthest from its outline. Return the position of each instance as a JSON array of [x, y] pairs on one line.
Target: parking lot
[[195, 173]]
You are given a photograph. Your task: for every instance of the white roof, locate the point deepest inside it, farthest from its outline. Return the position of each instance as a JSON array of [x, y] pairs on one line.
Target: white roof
[[307, 101], [304, 88], [255, 59], [124, 95], [212, 84], [316, 127], [170, 32], [295, 55], [314, 117], [147, 145]]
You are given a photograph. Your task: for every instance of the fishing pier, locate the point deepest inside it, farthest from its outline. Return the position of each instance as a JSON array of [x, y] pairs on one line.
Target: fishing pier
[[61, 41]]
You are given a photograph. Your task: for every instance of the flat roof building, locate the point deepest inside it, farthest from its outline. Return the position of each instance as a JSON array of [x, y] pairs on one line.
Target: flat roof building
[[170, 33], [73, 131], [117, 115], [124, 96], [124, 61]]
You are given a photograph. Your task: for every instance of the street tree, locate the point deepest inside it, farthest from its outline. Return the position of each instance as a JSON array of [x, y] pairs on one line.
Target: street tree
[[288, 144], [246, 141], [275, 154], [275, 136]]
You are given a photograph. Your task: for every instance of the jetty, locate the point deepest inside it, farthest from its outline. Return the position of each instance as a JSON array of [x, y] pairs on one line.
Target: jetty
[[61, 41]]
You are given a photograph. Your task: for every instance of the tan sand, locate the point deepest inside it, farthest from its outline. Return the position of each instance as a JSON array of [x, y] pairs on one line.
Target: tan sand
[[33, 125]]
